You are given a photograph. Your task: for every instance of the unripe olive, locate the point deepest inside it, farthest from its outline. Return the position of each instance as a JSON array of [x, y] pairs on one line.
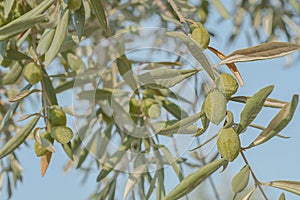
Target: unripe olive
[[33, 73], [228, 143], [39, 149], [61, 134], [227, 84], [215, 106], [200, 35], [151, 108], [57, 117]]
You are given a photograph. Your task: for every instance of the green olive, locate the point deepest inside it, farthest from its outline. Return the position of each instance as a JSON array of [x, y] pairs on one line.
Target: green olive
[[228, 143], [215, 106], [57, 117], [61, 134], [227, 84], [33, 73]]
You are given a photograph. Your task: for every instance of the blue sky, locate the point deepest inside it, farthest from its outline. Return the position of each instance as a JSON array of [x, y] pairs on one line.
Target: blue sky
[[277, 159]]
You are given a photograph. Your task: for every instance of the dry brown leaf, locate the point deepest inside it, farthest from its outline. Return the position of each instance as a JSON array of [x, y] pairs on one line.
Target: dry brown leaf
[[231, 66], [45, 161]]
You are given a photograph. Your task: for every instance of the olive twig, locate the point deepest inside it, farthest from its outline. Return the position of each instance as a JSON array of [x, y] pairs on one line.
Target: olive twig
[[256, 181]]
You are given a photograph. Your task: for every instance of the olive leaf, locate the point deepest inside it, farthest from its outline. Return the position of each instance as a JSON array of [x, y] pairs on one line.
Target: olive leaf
[[164, 78], [221, 9], [282, 196], [261, 52], [174, 109], [156, 65], [42, 7], [249, 194], [240, 180], [195, 51], [134, 176], [13, 75], [78, 18], [278, 123], [45, 41], [58, 39], [253, 106], [114, 159], [48, 90], [269, 102], [19, 138], [8, 5], [291, 186], [179, 125], [22, 95], [100, 14], [125, 69], [170, 158], [14, 54], [193, 180], [44, 163], [21, 24], [8, 115]]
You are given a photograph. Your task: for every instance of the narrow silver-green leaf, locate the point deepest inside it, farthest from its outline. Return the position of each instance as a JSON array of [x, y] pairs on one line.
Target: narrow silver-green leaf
[[240, 180], [100, 14], [221, 9], [45, 41], [291, 186], [78, 18], [19, 138], [14, 54], [49, 92], [179, 125], [13, 75], [114, 159], [170, 158], [195, 50], [58, 39], [42, 7], [272, 103], [174, 109], [282, 196], [11, 110], [165, 78], [261, 52], [8, 4], [249, 194], [193, 180], [133, 178], [68, 150], [124, 67], [253, 107], [278, 123], [19, 25], [22, 95]]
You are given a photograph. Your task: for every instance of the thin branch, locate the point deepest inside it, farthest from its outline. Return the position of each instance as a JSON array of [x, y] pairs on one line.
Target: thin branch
[[257, 182], [182, 19], [176, 9]]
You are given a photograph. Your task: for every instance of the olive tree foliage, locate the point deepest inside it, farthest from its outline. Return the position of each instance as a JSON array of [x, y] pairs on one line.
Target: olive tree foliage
[[46, 50]]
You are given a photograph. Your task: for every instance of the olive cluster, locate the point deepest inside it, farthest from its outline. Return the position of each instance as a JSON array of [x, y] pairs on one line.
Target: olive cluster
[[58, 131], [215, 107]]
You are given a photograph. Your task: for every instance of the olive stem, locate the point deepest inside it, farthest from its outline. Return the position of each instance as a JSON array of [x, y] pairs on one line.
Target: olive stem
[[257, 182], [182, 19]]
